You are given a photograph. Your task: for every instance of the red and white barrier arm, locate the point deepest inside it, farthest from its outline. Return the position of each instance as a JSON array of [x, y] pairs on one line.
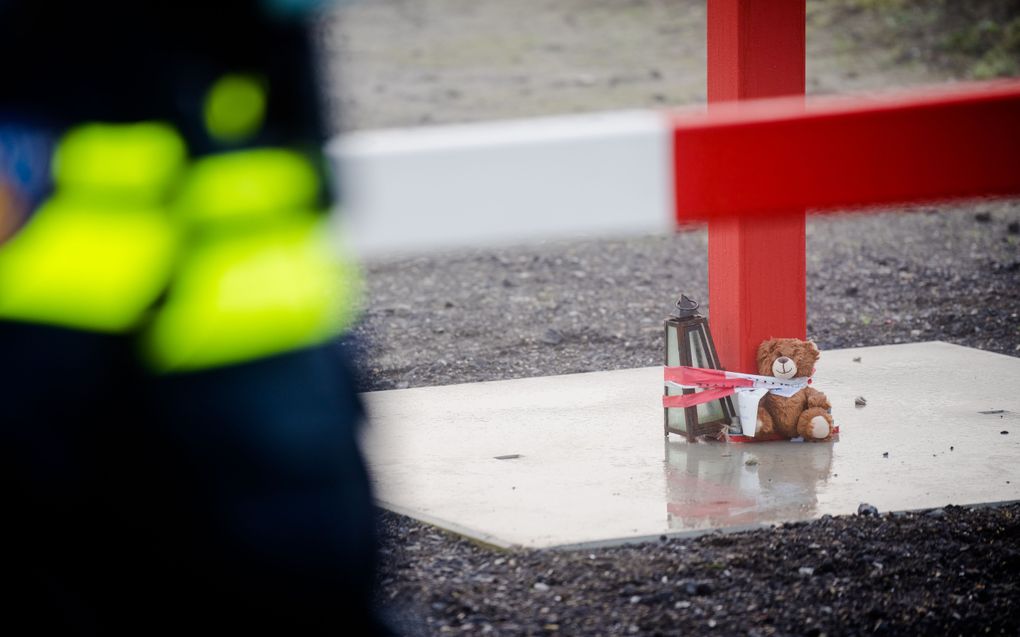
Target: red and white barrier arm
[[640, 172], [768, 156], [505, 182]]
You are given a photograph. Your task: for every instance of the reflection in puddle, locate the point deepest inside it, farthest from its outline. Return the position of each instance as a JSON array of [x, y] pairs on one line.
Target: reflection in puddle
[[712, 485]]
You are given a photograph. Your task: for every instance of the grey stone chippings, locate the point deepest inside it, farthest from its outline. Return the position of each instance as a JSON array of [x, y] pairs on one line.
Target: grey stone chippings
[[922, 276]]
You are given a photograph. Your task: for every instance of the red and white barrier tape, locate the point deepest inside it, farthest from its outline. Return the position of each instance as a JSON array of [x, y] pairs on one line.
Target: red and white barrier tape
[[717, 384], [748, 390]]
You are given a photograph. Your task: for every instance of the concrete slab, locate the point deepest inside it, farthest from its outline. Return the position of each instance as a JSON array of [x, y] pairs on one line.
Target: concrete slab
[[581, 459]]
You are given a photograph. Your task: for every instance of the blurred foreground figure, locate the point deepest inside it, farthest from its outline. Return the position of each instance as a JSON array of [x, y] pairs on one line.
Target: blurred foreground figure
[[178, 432]]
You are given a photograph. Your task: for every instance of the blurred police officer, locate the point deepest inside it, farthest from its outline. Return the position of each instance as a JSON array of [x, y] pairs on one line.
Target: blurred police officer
[[178, 434]]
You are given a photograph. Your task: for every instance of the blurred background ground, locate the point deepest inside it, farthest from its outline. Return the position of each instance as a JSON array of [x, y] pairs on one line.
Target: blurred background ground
[[946, 272], [414, 62]]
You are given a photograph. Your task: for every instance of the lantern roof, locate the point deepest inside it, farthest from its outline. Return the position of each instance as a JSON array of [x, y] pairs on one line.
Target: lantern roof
[[686, 307]]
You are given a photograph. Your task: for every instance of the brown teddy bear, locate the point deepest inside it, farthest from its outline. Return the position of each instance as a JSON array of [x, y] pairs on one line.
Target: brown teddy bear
[[804, 414]]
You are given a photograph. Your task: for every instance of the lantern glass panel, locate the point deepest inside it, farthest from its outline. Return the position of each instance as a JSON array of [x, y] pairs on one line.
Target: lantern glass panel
[[672, 347], [700, 357], [710, 411], [676, 417]]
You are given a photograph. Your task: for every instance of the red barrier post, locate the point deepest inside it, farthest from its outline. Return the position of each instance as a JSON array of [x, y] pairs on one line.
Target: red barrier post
[[756, 266]]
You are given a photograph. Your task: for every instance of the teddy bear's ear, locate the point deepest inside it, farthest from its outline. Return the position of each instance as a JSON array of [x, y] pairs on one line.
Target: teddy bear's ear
[[807, 356], [765, 352]]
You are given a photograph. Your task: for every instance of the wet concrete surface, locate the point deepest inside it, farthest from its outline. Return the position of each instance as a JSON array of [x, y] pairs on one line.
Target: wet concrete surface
[[581, 459]]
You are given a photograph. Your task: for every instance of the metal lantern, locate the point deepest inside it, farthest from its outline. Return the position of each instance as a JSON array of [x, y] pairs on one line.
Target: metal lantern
[[689, 342]]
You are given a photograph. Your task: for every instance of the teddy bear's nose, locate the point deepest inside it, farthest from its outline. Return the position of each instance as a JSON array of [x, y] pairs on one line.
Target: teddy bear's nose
[[782, 360]]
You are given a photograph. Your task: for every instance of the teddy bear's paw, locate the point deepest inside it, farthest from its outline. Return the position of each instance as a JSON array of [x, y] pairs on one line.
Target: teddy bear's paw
[[819, 428], [815, 425]]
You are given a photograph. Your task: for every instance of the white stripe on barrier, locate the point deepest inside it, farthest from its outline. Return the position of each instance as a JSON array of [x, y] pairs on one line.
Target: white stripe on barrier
[[497, 183]]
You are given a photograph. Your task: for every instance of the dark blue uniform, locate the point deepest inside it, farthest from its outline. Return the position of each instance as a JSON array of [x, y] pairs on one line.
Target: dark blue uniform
[[148, 489]]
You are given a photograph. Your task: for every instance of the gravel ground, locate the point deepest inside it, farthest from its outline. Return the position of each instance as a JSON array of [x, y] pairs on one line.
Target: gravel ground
[[948, 571], [950, 273], [944, 272]]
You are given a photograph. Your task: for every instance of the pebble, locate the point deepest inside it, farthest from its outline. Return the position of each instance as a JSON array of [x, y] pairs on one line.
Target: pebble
[[860, 401], [552, 337], [936, 513], [541, 587], [806, 571], [698, 588], [866, 509]]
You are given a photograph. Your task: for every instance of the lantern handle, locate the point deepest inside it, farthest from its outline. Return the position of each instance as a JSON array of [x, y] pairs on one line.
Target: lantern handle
[[685, 307]]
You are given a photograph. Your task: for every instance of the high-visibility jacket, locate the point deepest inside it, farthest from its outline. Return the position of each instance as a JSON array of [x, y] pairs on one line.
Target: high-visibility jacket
[[219, 261], [258, 275], [100, 250]]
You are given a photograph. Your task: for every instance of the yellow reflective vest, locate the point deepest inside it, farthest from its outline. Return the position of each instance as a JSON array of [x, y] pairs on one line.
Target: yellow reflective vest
[[231, 245]]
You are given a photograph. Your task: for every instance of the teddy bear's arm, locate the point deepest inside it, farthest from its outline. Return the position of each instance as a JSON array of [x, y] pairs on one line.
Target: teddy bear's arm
[[816, 398]]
